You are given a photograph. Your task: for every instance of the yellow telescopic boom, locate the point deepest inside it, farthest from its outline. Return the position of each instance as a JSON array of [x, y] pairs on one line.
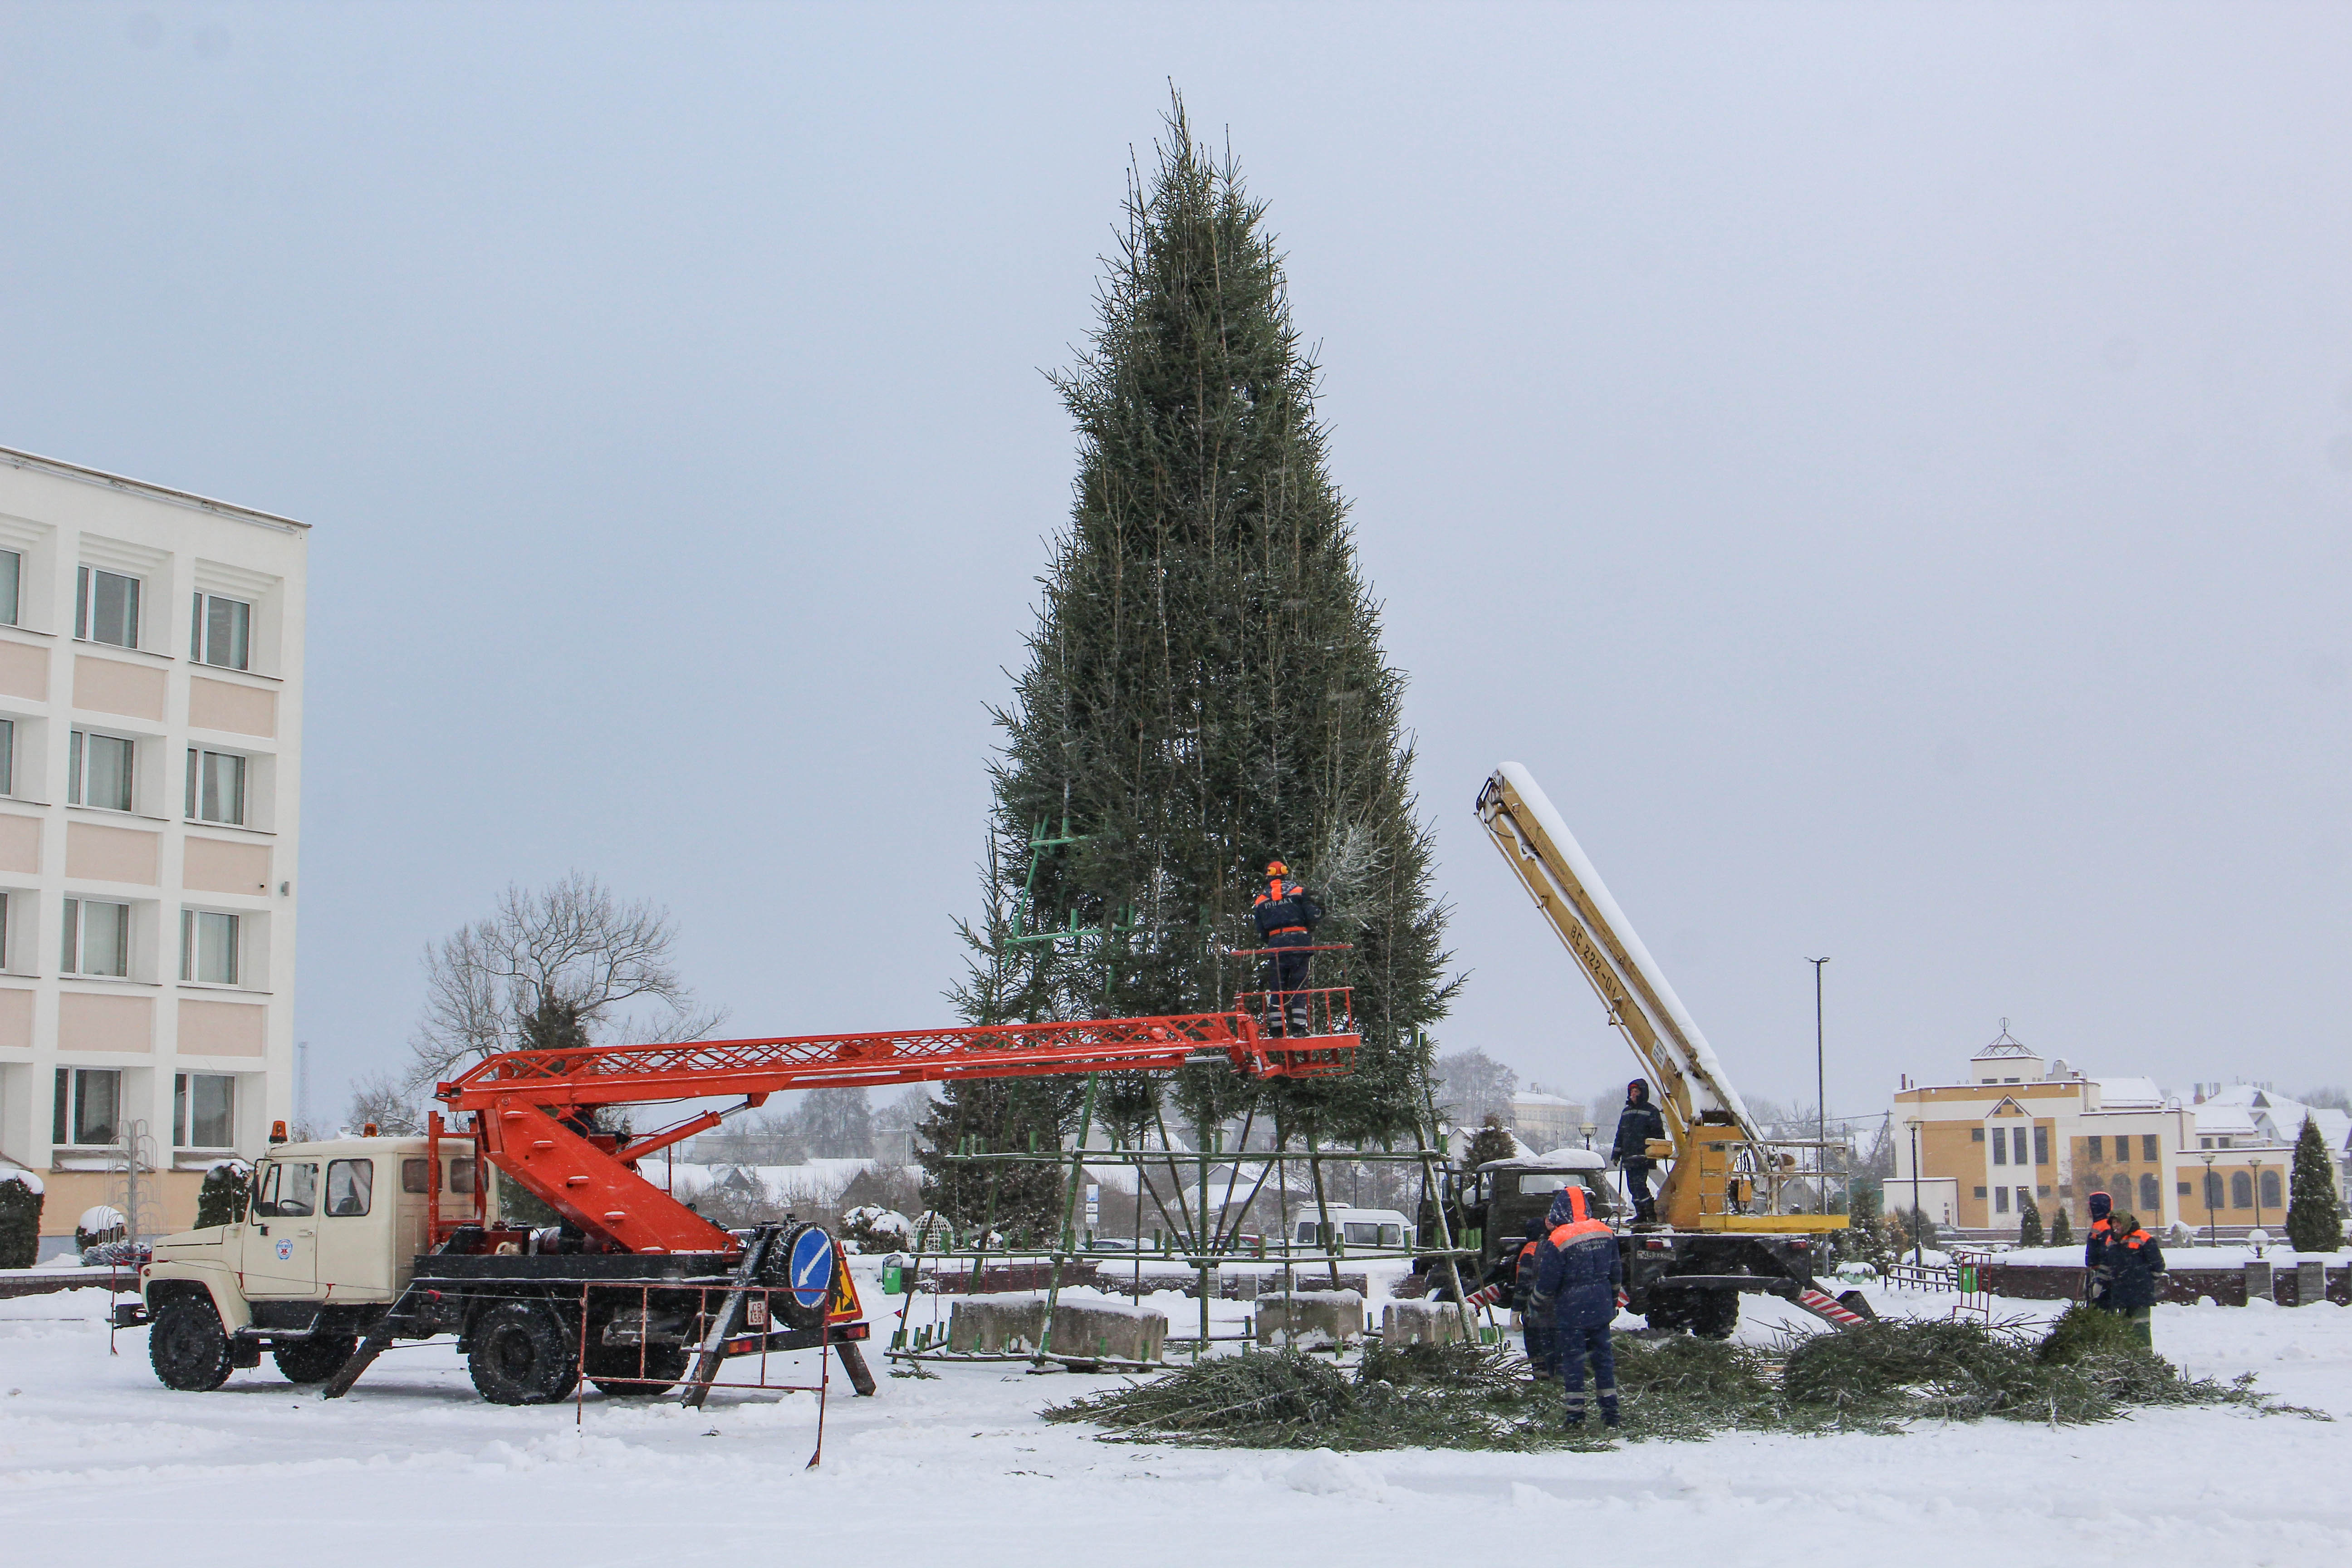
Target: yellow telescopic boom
[[1726, 1175]]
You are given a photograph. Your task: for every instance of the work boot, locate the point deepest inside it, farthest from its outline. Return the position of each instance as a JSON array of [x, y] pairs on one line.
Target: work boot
[[1300, 1024]]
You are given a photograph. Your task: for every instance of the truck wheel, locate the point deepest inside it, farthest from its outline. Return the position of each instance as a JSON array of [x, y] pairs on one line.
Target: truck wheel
[[614, 1369], [1715, 1314], [521, 1355], [313, 1360], [776, 1275], [188, 1347]]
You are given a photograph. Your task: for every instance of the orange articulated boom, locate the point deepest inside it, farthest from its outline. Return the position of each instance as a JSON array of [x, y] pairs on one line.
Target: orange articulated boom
[[520, 1098]]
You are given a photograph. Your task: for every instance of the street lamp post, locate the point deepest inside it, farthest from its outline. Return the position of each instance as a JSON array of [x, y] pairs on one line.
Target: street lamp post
[[2210, 1179], [1821, 1090], [1918, 1261], [2257, 1163], [1589, 1129]]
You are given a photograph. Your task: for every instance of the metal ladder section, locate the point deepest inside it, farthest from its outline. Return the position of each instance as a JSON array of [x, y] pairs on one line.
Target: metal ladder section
[[379, 1336], [724, 1322]]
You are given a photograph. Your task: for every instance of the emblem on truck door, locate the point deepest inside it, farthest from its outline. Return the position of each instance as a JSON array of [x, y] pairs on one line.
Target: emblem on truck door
[[284, 1252]]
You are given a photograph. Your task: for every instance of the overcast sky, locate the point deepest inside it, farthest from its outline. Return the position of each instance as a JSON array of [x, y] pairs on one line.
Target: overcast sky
[[1886, 469]]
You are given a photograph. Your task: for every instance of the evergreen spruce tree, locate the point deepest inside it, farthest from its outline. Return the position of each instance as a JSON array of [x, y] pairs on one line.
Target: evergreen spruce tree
[[2029, 1225], [1204, 690], [221, 1199], [2062, 1228], [2314, 1214], [20, 1219]]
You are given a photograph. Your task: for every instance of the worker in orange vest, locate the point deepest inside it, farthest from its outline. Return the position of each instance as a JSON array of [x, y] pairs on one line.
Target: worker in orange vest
[[2136, 1267], [2096, 1274], [1285, 918], [1579, 1285]]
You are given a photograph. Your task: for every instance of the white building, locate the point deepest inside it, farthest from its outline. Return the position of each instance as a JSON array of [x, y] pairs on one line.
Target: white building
[[151, 728], [1546, 1120]]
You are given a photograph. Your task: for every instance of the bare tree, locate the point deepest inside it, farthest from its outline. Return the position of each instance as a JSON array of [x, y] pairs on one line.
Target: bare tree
[[386, 1101], [564, 965], [1473, 1086]]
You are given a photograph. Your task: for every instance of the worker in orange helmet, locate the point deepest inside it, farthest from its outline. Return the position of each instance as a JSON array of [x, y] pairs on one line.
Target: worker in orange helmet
[[1579, 1285], [1285, 918], [2097, 1272]]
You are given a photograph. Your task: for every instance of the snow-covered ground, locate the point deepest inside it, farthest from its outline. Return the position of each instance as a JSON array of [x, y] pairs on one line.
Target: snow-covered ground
[[96, 1456]]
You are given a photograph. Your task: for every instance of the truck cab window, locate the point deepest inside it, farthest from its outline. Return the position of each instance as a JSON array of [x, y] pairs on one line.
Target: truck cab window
[[286, 1192], [412, 1176], [350, 1185]]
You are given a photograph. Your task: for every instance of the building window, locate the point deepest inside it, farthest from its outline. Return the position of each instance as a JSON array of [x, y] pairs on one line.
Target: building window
[[2041, 1146], [97, 938], [2204, 1142], [12, 575], [2148, 1147], [89, 1110], [2213, 1190], [204, 1107], [208, 947], [2001, 1200], [1981, 1191], [8, 756], [2017, 1142], [2270, 1190], [2241, 1189], [2092, 1148], [106, 608], [2150, 1199], [216, 787], [222, 632], [2000, 1147], [2180, 1189], [1976, 1134], [97, 771]]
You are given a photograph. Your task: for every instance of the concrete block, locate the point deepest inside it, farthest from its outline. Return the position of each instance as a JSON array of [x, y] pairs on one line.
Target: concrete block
[[992, 1324], [1419, 1323], [1311, 1320], [2258, 1280], [1112, 1330], [2310, 1282]]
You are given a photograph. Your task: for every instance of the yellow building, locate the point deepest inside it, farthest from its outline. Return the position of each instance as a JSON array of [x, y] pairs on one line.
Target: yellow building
[[2021, 1131]]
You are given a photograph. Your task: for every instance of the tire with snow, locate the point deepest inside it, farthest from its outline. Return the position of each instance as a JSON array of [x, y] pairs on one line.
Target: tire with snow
[[187, 1346], [314, 1360], [615, 1370], [522, 1356], [775, 1273]]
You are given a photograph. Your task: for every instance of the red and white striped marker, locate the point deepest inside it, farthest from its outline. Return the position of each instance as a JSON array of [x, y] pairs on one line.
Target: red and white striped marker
[[1822, 1305]]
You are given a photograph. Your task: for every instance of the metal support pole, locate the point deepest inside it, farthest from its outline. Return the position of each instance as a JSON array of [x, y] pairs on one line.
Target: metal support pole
[[1069, 1218], [1821, 1089]]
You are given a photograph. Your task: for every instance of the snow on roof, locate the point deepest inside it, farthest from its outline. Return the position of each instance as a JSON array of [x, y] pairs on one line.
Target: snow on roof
[[2116, 1093], [2214, 1119], [2335, 1126], [1569, 1159], [1532, 1096]]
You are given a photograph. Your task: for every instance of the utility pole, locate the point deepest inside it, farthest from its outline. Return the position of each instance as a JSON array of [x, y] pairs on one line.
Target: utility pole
[[1821, 1086]]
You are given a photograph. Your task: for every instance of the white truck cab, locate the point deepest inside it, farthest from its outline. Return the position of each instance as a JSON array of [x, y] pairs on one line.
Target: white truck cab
[[331, 1223]]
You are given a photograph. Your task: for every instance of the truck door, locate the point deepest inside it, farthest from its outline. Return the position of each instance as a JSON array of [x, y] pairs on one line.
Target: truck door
[[357, 1236], [281, 1235]]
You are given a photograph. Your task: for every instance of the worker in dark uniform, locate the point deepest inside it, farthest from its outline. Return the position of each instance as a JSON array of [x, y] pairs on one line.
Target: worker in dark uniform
[[2133, 1263], [1636, 1125], [1578, 1277], [2097, 1275], [1513, 1279], [1285, 918]]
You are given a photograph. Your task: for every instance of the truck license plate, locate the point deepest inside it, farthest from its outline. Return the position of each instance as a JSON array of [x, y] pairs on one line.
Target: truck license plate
[[758, 1316]]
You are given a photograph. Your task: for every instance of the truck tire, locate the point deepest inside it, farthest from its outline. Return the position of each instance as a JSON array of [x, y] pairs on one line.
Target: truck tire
[[775, 1273], [614, 1370], [187, 1346], [521, 1355], [1716, 1313], [313, 1360]]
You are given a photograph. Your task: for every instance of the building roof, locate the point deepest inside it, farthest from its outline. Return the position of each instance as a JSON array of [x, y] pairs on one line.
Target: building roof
[[2006, 1045], [34, 462], [2129, 1093]]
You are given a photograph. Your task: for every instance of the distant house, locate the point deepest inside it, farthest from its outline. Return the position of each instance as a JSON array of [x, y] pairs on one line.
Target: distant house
[[1546, 1120]]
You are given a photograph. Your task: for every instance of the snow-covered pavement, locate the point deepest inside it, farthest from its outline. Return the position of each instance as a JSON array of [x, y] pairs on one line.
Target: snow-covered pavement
[[96, 1456]]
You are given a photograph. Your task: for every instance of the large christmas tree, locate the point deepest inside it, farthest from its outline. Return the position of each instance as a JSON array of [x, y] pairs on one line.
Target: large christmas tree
[[1205, 689]]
